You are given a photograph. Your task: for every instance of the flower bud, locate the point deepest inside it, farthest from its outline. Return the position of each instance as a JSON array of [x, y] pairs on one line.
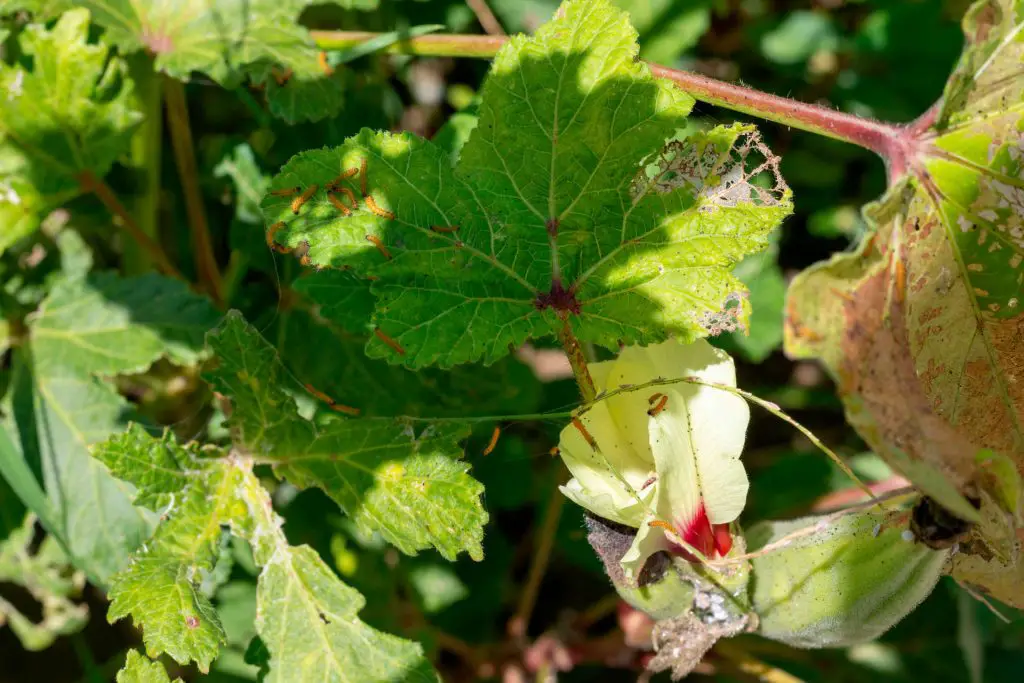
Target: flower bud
[[847, 581]]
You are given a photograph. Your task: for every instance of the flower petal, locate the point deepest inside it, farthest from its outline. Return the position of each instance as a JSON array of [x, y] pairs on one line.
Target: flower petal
[[597, 487], [648, 540]]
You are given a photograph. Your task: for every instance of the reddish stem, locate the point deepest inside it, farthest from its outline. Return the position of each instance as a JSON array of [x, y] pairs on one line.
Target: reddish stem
[[895, 144], [90, 183]]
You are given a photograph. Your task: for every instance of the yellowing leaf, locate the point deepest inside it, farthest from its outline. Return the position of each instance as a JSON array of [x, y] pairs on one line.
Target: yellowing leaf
[[923, 327]]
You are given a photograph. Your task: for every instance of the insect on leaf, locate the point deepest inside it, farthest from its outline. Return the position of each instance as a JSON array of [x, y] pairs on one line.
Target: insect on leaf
[[566, 209]]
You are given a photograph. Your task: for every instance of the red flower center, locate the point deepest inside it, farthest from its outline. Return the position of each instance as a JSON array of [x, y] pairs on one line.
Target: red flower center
[[706, 537]]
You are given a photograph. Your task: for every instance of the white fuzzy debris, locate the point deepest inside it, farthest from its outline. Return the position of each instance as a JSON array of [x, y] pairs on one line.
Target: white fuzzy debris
[[16, 88], [9, 194]]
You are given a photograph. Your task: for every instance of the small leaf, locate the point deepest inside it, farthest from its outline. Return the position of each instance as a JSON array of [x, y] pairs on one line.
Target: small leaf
[[408, 484], [249, 182], [549, 218], [160, 587], [157, 468], [139, 669], [66, 111]]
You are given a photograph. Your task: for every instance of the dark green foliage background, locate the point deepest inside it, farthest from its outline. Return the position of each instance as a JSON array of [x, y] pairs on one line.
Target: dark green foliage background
[[886, 59]]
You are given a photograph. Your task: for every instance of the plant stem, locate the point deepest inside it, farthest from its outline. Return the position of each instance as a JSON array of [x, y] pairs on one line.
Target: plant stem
[[578, 361], [90, 183], [886, 140], [519, 624], [438, 45], [146, 145], [486, 17], [184, 157]]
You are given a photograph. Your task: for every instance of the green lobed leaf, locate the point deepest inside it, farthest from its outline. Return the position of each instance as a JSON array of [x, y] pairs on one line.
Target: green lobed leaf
[[139, 669], [65, 111], [304, 614], [922, 327], [378, 388], [160, 588], [229, 41], [157, 468], [389, 476], [58, 406], [558, 222]]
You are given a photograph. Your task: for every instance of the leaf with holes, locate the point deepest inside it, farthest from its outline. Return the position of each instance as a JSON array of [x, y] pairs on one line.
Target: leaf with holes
[[404, 480], [305, 614], [160, 588], [923, 326], [566, 210], [41, 571], [65, 113], [61, 400]]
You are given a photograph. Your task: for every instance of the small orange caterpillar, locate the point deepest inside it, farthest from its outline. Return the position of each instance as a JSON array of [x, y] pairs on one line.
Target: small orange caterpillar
[[493, 442], [658, 407], [321, 60], [372, 206], [351, 196], [334, 405], [339, 205], [345, 175], [282, 77], [583, 431], [271, 232], [554, 451], [362, 176], [303, 198], [380, 246], [444, 228], [662, 525], [654, 397], [389, 341], [286, 192]]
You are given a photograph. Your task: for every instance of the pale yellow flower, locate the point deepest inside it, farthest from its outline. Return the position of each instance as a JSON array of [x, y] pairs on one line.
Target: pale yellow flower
[[677, 465]]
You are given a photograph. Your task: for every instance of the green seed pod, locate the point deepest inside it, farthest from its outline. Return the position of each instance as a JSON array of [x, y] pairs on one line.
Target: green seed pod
[[845, 582]]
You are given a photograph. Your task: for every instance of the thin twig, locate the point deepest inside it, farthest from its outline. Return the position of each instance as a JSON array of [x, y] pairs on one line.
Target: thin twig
[[184, 157], [90, 183], [982, 599], [519, 624], [810, 530], [486, 17]]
